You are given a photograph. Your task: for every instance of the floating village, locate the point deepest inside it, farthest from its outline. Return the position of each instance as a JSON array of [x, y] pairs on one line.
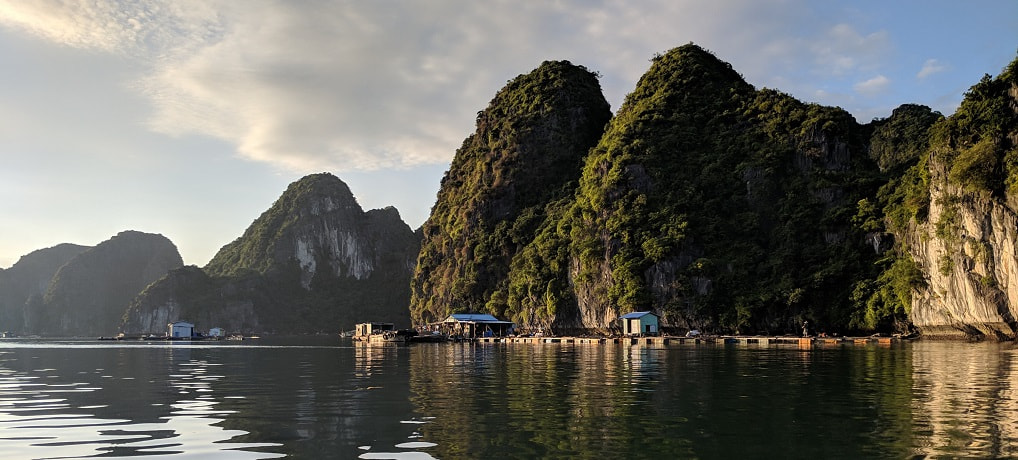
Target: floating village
[[636, 328], [182, 331]]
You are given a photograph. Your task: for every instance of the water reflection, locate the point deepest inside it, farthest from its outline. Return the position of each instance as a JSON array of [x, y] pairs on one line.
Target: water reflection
[[607, 401], [40, 418], [450, 401], [965, 399]]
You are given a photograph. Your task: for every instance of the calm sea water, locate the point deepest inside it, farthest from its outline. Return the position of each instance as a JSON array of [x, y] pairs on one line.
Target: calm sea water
[[330, 398]]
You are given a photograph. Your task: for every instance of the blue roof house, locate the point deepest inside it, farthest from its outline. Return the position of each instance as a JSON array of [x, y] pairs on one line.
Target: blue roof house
[[475, 325], [640, 323]]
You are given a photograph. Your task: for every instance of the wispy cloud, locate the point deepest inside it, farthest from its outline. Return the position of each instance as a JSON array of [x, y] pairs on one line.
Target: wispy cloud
[[367, 85], [137, 28], [872, 86], [930, 67], [844, 49]]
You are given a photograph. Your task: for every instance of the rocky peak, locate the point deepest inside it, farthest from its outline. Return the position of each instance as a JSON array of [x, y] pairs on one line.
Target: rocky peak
[[29, 277], [313, 262], [90, 293], [529, 143], [315, 225]]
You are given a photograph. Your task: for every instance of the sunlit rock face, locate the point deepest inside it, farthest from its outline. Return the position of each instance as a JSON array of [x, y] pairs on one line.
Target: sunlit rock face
[[970, 265], [313, 262], [966, 247]]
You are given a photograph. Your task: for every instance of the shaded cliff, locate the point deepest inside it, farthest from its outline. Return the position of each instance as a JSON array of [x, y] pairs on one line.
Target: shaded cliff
[[527, 150], [30, 277], [89, 294], [313, 262], [719, 206]]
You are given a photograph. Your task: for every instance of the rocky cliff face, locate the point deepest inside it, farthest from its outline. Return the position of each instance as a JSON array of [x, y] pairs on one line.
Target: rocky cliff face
[[966, 244], [971, 267], [529, 145], [89, 294], [28, 278], [313, 262], [188, 293]]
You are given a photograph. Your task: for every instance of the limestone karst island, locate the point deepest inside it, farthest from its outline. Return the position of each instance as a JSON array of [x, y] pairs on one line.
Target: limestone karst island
[[718, 206]]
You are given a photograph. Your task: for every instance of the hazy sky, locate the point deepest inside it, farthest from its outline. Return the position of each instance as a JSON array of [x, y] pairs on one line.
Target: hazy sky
[[189, 118]]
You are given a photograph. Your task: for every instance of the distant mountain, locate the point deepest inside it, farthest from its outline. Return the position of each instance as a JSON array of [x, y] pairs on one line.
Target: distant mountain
[[89, 294], [313, 262], [527, 151], [30, 277]]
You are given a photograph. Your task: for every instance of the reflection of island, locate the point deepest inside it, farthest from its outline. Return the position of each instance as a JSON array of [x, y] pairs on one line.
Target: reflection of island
[[966, 395], [600, 401], [530, 401]]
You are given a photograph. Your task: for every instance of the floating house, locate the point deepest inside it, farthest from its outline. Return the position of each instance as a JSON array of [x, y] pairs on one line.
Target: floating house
[[640, 323], [367, 329], [381, 332], [217, 332], [472, 325], [181, 329]]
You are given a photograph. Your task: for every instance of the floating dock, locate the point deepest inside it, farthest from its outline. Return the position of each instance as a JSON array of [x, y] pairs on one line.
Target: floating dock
[[727, 340]]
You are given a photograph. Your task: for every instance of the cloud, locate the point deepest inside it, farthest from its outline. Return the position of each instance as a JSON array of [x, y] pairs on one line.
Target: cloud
[[873, 86], [843, 50], [115, 25], [347, 85], [930, 67]]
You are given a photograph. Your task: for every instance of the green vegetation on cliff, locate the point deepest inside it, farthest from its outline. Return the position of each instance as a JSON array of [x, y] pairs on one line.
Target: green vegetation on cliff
[[717, 205], [974, 150], [978, 144], [527, 152], [720, 206]]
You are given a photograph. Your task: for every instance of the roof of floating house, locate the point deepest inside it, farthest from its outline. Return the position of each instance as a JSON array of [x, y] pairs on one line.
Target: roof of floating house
[[473, 318], [636, 315]]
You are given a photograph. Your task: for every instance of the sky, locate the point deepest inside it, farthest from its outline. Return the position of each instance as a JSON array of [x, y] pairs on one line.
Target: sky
[[189, 118]]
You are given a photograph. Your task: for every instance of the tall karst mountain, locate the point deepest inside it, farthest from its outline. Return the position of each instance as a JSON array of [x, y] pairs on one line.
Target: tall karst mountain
[[527, 151], [712, 203], [28, 278], [89, 294], [716, 205], [313, 262], [955, 211]]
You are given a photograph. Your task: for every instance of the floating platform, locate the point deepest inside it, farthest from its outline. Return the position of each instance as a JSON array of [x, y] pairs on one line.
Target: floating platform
[[678, 340]]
